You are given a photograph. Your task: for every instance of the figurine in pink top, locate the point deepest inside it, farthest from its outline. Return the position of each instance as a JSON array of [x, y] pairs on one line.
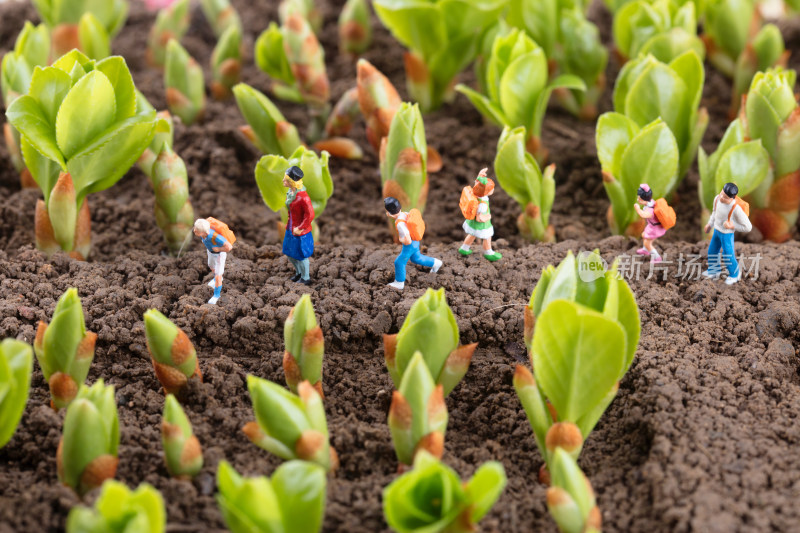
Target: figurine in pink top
[[653, 228]]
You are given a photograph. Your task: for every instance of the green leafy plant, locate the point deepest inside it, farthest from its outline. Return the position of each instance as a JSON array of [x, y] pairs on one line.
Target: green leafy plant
[[87, 452], [662, 28], [182, 450], [267, 128], [518, 88], [31, 49], [303, 8], [226, 63], [630, 155], [220, 15], [442, 37], [418, 414], [174, 213], [355, 30], [64, 349], [173, 355], [288, 425], [164, 134], [739, 45], [431, 497], [305, 346], [616, 5], [570, 498], [292, 501], [519, 175], [118, 509], [16, 364], [758, 152], [316, 179], [80, 133], [87, 25], [429, 328], [183, 79], [172, 22]]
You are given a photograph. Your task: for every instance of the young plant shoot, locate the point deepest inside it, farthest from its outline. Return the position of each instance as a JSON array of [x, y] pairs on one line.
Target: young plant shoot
[[378, 100], [267, 128], [431, 329], [518, 88], [173, 355], [431, 498], [164, 134], [121, 510], [339, 123], [288, 425], [220, 15], [442, 37], [80, 134], [291, 501], [65, 349], [182, 450], [759, 153], [16, 364], [305, 347], [304, 8], [172, 22], [355, 29], [183, 79], [519, 175], [174, 213], [87, 453], [662, 28], [226, 63], [404, 159], [418, 414], [570, 498], [316, 179], [31, 49], [87, 26]]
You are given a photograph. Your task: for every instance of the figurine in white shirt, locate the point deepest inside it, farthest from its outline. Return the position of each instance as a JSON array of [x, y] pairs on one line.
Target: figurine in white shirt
[[730, 214], [410, 251]]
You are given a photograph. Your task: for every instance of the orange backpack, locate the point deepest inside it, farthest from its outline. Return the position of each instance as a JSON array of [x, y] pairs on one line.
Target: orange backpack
[[414, 223], [468, 203], [222, 228], [664, 214]]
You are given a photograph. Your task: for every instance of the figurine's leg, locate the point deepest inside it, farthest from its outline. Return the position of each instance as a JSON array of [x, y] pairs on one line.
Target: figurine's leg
[[714, 268], [401, 261], [418, 259], [729, 256], [655, 256], [488, 253], [305, 269], [465, 248]]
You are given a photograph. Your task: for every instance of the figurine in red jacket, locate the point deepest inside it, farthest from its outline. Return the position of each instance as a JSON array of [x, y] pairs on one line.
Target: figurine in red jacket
[[298, 242]]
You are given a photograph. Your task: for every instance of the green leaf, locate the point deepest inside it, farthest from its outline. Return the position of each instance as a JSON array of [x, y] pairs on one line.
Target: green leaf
[[44, 170], [93, 37], [300, 489], [27, 116], [16, 364], [520, 85], [614, 133], [747, 164], [485, 488], [417, 24], [269, 179], [652, 158], [88, 109], [116, 70]]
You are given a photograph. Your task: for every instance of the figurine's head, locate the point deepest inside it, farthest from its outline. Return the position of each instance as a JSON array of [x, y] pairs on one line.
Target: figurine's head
[[202, 228], [729, 192], [644, 193], [483, 186], [392, 206], [293, 178]]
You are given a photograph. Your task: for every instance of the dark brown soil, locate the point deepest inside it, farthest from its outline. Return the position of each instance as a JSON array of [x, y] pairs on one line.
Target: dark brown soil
[[703, 435]]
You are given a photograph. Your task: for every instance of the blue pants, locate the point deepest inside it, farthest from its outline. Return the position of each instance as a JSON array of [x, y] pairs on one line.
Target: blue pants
[[410, 252], [722, 241]]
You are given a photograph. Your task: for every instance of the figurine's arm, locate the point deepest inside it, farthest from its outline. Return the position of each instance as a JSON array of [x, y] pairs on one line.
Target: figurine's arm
[[404, 236], [482, 215], [710, 223], [641, 212], [740, 221], [307, 209], [222, 244]]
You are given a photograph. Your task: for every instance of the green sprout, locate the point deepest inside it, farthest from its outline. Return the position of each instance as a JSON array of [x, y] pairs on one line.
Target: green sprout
[[267, 128], [404, 159], [164, 134], [340, 122], [173, 355], [378, 100], [519, 175], [182, 450], [355, 29], [183, 79], [442, 37], [16, 364], [662, 28], [221, 15], [518, 88], [758, 152], [570, 498], [288, 425], [418, 414], [174, 213], [80, 134], [64, 349], [431, 329], [88, 25], [172, 22], [31, 49], [292, 501], [316, 179], [87, 453], [305, 346], [118, 509], [304, 8], [431, 498], [226, 63]]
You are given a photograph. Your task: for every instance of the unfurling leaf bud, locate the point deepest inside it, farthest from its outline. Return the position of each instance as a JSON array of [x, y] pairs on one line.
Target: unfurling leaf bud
[[16, 363], [182, 450], [120, 509], [183, 79], [226, 63], [173, 355], [174, 213], [355, 30], [305, 347]]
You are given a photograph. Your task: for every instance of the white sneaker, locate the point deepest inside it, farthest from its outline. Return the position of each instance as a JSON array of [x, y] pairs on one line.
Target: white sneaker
[[710, 275], [212, 283], [437, 264], [213, 300], [397, 285], [730, 280]]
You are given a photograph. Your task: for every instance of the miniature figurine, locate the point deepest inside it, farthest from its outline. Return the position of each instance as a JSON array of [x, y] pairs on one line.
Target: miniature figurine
[[659, 218], [730, 214], [298, 241], [478, 224], [410, 229], [218, 240]]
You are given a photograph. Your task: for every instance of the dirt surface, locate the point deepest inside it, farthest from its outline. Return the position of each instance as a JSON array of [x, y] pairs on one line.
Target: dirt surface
[[703, 434]]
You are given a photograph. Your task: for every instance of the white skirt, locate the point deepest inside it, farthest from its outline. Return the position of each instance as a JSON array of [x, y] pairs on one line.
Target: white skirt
[[478, 233]]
